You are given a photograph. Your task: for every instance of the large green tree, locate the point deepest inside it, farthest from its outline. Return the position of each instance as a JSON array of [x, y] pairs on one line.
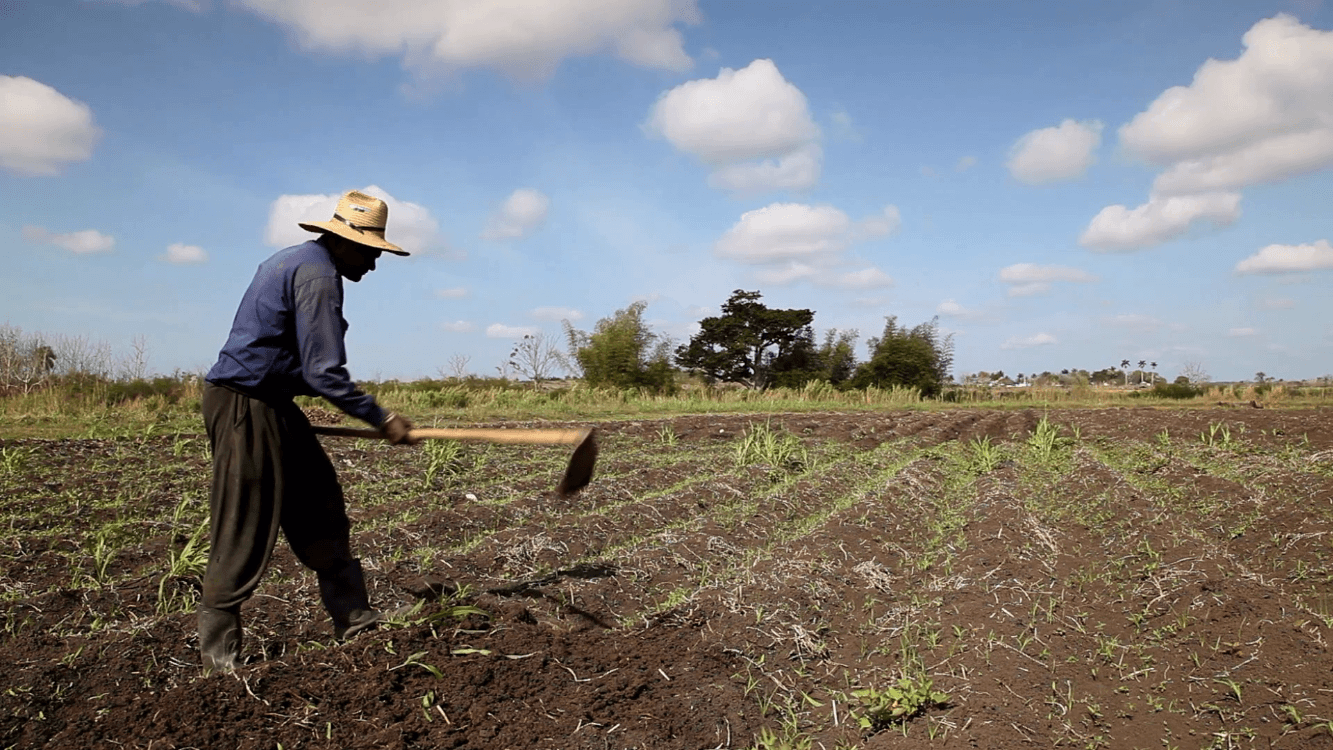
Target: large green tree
[[749, 342], [914, 358], [622, 352]]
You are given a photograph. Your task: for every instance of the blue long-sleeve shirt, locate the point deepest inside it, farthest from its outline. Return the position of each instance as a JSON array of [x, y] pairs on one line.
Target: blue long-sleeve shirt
[[287, 338]]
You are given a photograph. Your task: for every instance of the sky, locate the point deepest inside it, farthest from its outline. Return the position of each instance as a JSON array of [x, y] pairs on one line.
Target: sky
[[1065, 184]]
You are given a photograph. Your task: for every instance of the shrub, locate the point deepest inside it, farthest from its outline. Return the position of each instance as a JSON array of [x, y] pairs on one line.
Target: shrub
[[1174, 390]]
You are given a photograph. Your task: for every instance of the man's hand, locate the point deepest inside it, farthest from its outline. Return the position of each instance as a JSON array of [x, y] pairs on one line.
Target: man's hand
[[397, 429]]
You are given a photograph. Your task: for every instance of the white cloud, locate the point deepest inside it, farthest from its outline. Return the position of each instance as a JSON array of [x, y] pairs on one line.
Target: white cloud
[[42, 129], [1062, 152], [1315, 256], [502, 331], [410, 226], [792, 171], [84, 242], [1276, 303], [795, 241], [866, 278], [965, 163], [951, 308], [751, 125], [1242, 332], [1028, 279], [522, 212], [459, 326], [1263, 117], [557, 313], [526, 39], [786, 231], [884, 223], [1162, 218], [181, 254], [786, 273], [1027, 342], [456, 292]]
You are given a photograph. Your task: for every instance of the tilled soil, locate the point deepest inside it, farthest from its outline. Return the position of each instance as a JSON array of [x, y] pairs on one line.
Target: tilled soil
[[1133, 578]]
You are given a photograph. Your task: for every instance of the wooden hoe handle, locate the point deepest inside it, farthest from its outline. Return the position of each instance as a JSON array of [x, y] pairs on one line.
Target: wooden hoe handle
[[480, 434]]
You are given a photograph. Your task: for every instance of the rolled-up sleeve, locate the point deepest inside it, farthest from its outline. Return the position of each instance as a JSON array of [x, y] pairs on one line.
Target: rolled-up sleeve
[[319, 333]]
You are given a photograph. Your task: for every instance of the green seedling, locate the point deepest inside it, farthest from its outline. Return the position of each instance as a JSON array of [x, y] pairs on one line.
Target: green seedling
[[13, 459], [898, 703], [985, 455], [666, 435], [761, 445], [442, 459]]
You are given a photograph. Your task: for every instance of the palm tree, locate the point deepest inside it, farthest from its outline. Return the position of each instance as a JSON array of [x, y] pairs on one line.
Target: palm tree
[[1153, 365], [1142, 364], [1125, 364]]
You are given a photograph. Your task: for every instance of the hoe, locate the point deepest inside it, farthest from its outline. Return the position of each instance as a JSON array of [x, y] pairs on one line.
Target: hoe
[[577, 474]]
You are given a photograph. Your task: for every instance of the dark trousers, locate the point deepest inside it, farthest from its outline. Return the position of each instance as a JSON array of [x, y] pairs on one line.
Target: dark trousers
[[270, 472]]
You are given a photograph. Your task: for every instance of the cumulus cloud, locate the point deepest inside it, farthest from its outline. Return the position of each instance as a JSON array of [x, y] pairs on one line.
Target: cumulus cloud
[[456, 292], [502, 331], [526, 39], [459, 326], [1120, 229], [85, 242], [1242, 332], [795, 241], [1062, 152], [884, 223], [786, 231], [1315, 256], [1027, 342], [792, 171], [41, 129], [751, 125], [951, 308], [1028, 279], [557, 313], [523, 211], [410, 226], [1263, 117], [181, 254]]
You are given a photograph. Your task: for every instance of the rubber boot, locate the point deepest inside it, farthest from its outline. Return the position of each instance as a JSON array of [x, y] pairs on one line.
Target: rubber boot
[[343, 591], [219, 639]]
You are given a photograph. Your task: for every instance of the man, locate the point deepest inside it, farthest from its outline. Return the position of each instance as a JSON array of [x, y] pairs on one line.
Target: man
[[269, 470]]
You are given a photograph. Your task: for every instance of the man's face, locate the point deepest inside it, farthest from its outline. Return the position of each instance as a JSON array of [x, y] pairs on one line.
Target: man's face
[[354, 260]]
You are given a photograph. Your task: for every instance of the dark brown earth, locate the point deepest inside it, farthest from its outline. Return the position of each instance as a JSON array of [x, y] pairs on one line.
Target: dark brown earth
[[1155, 578]]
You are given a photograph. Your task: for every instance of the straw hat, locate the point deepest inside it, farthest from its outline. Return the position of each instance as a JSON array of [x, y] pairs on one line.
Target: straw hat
[[360, 218]]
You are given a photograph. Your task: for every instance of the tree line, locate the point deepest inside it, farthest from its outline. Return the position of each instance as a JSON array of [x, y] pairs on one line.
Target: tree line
[[752, 345]]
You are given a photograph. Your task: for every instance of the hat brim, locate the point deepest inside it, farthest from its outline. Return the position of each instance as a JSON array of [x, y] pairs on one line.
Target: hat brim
[[349, 233]]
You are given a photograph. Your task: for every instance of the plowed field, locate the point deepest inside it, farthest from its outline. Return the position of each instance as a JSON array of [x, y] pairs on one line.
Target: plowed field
[[1127, 578]]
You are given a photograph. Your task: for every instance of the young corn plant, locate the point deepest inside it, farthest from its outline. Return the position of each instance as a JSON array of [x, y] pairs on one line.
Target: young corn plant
[[190, 560], [443, 458], [763, 446], [1045, 441], [985, 455], [13, 459]]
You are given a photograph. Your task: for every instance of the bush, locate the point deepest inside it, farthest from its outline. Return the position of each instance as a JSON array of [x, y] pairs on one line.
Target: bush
[[1175, 390]]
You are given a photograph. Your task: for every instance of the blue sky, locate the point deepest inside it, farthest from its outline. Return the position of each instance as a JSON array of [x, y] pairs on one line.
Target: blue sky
[[1066, 184]]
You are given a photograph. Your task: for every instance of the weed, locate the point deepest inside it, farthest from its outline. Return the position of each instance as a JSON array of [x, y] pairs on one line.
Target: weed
[[781, 451], [442, 458], [666, 435], [13, 459], [898, 703]]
